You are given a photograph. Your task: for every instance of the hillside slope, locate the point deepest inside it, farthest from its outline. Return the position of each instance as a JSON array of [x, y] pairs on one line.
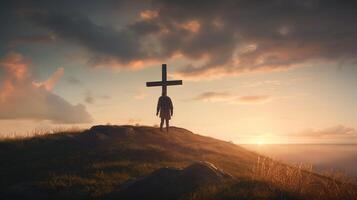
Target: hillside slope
[[101, 162]]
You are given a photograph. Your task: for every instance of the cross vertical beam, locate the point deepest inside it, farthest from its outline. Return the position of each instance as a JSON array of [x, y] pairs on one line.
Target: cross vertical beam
[[164, 79]]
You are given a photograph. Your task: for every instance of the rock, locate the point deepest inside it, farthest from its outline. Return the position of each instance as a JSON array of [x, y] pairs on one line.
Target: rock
[[111, 131], [171, 183], [205, 172]]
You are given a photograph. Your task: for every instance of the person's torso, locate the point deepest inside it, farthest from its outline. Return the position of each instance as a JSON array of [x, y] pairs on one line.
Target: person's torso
[[165, 103]]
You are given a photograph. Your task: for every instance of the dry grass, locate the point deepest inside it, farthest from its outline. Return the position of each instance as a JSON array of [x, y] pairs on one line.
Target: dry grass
[[303, 181], [97, 184], [38, 132]]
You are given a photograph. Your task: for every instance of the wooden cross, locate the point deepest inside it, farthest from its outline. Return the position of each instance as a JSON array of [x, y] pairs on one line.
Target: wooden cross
[[164, 82]]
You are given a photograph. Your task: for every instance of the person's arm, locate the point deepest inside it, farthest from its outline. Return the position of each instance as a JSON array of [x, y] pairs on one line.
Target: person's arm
[[158, 106], [171, 107]]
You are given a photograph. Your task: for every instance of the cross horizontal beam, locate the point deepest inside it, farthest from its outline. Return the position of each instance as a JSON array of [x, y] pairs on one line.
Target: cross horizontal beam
[[163, 83]]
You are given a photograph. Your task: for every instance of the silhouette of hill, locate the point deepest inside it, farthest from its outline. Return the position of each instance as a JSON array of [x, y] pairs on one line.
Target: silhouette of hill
[[137, 162]]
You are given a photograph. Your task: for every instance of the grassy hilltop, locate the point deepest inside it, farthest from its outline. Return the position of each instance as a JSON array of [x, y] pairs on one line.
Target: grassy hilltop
[[112, 162]]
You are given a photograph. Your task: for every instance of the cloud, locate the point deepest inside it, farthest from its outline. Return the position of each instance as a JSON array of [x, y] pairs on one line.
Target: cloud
[[256, 36], [21, 97], [334, 134], [89, 98], [149, 14], [51, 82], [253, 99], [106, 45], [335, 131], [231, 98], [31, 39], [265, 82], [73, 80], [217, 38], [214, 96]]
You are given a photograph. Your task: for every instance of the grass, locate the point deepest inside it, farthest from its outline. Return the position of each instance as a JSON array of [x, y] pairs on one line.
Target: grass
[[270, 179], [301, 180], [39, 132], [74, 164]]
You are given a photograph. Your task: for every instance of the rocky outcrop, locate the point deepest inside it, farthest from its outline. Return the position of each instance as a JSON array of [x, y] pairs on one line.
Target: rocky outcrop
[[111, 131], [171, 183]]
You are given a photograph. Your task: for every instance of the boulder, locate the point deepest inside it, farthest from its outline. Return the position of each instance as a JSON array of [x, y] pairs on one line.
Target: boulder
[[172, 183], [110, 131]]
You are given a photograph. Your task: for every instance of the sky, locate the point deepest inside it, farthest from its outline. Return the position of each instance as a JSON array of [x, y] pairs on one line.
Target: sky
[[279, 71]]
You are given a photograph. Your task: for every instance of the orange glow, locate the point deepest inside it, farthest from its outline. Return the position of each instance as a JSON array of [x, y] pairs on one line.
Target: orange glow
[[148, 14], [16, 66], [16, 70], [51, 82], [191, 26], [209, 74], [134, 65], [6, 91], [254, 99]]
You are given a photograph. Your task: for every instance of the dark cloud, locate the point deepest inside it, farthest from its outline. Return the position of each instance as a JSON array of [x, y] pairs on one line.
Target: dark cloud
[[220, 38], [103, 42], [245, 36], [30, 39]]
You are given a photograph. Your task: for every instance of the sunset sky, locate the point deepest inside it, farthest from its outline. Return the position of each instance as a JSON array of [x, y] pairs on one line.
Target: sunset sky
[[280, 71]]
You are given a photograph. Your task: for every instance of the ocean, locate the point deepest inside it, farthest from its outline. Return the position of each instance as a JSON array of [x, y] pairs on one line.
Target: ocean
[[323, 157]]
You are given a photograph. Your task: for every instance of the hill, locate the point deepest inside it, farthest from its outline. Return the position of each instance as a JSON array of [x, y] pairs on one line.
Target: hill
[[135, 162]]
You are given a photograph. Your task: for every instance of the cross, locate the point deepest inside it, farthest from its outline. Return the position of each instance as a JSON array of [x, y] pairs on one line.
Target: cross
[[164, 82]]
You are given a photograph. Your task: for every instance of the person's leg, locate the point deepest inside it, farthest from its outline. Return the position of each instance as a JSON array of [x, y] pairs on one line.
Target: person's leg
[[161, 123], [167, 125]]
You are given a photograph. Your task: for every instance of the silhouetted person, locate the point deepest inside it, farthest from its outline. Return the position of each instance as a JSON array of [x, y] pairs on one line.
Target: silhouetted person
[[165, 107]]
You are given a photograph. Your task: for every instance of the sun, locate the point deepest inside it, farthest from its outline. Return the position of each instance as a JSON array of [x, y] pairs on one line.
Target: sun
[[260, 141]]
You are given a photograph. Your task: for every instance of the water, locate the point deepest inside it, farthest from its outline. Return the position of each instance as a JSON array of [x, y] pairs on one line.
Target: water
[[323, 157]]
